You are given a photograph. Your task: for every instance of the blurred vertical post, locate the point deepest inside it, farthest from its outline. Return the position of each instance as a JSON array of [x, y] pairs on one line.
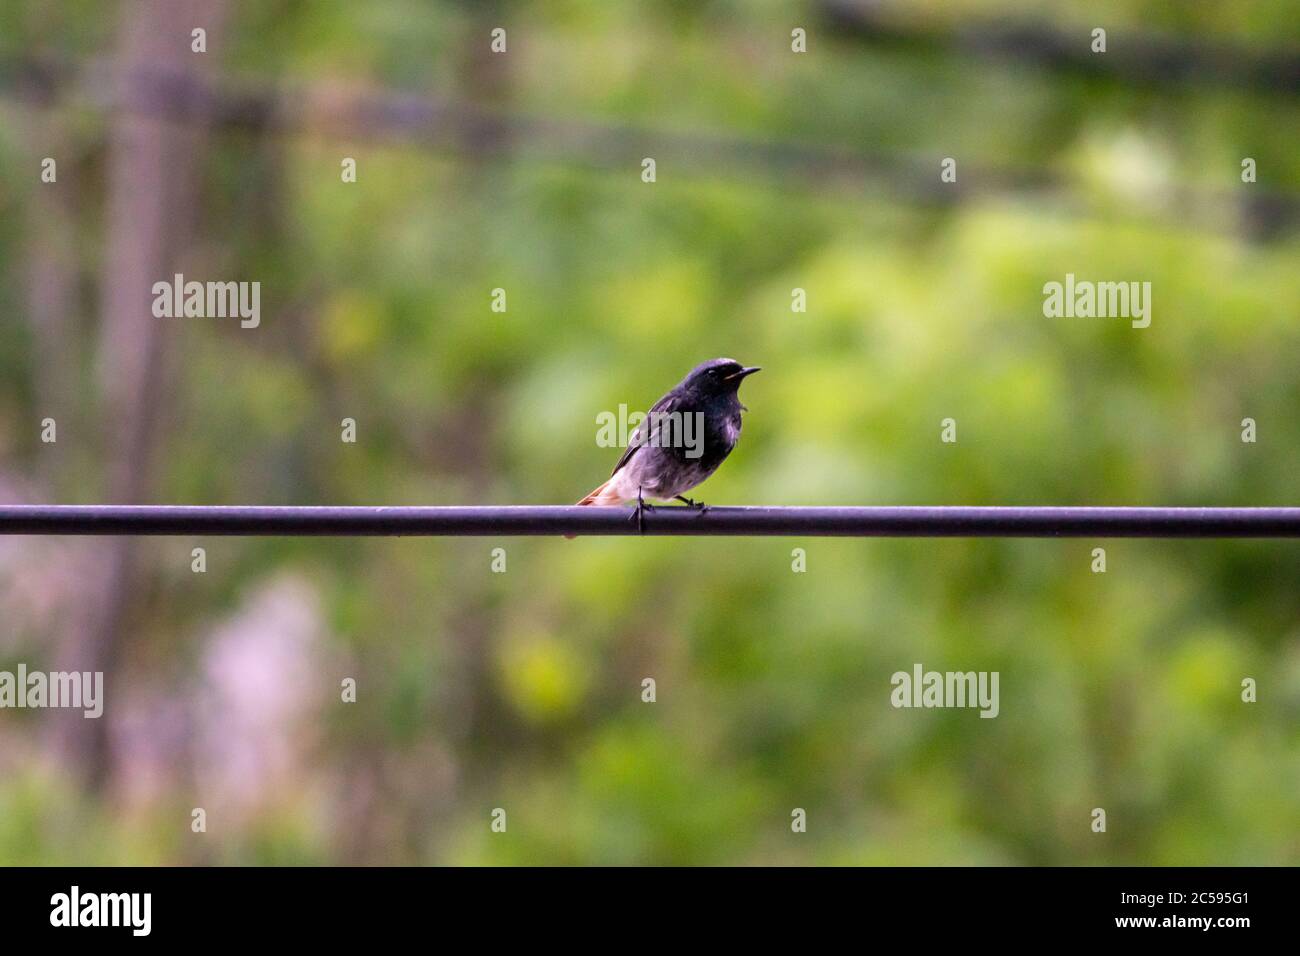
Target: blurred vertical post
[[486, 81], [52, 284], [150, 199]]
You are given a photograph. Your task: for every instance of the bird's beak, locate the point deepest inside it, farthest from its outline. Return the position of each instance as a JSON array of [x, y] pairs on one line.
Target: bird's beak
[[743, 373]]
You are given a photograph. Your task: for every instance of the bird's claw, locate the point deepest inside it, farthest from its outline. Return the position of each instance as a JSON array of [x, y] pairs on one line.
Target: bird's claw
[[641, 509], [699, 506]]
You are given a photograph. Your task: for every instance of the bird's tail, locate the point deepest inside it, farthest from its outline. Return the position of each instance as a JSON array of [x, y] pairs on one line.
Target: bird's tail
[[605, 495]]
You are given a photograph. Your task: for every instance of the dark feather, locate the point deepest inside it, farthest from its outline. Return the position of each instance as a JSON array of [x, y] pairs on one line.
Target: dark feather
[[669, 403]]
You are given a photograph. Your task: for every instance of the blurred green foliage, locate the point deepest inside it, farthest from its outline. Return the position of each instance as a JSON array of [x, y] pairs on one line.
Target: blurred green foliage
[[522, 690]]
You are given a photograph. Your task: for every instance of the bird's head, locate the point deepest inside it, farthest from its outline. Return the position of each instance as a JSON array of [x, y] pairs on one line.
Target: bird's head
[[717, 377]]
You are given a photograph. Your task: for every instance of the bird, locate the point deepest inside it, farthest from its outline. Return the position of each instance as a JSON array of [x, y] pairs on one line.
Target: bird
[[683, 439]]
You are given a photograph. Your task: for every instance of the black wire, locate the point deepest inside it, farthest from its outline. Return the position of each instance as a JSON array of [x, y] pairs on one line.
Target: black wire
[[908, 521]]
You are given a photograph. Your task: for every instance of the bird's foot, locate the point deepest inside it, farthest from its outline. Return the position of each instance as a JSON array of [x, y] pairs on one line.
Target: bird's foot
[[690, 503], [641, 509]]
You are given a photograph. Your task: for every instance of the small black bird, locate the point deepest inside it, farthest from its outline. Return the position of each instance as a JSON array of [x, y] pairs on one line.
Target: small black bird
[[683, 439]]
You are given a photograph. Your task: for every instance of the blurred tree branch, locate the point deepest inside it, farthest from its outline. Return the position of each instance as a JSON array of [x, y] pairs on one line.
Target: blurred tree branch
[[469, 129], [1133, 57]]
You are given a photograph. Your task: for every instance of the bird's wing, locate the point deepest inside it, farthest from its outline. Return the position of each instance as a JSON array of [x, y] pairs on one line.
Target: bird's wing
[[648, 428]]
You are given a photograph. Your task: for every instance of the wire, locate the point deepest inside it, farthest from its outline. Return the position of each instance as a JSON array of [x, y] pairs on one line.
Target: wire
[[908, 521]]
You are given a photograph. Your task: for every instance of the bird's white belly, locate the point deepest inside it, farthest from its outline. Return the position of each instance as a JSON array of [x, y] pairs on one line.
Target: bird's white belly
[[636, 478]]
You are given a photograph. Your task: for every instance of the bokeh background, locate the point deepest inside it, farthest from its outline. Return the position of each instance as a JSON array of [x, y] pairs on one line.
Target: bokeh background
[[776, 170]]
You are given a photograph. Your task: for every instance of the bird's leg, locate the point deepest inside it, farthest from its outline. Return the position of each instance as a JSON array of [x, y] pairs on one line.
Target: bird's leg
[[641, 509], [697, 505]]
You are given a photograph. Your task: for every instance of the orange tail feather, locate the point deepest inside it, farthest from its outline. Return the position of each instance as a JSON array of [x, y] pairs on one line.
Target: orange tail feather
[[604, 495]]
